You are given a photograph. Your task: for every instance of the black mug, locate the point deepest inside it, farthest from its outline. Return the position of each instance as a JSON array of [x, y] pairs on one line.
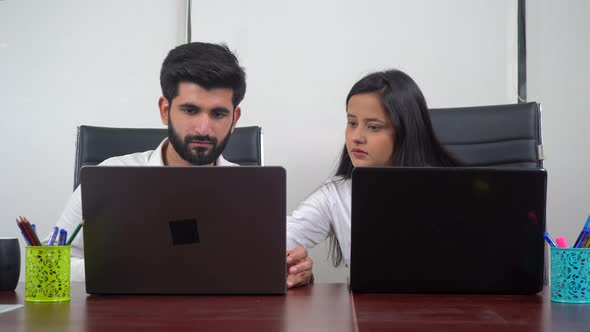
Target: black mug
[[9, 263]]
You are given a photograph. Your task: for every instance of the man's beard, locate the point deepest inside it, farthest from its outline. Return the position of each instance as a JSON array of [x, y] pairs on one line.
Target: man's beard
[[197, 156]]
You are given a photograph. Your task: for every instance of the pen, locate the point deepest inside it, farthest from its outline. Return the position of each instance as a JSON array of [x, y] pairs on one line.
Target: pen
[[29, 231], [63, 234], [561, 243], [22, 231], [53, 236], [581, 241], [34, 238], [75, 232], [549, 240], [34, 227]]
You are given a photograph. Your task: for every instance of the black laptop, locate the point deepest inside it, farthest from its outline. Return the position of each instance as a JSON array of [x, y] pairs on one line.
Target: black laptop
[[448, 230], [184, 230]]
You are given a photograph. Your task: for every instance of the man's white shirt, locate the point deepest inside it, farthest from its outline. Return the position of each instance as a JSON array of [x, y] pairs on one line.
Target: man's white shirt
[[72, 214]]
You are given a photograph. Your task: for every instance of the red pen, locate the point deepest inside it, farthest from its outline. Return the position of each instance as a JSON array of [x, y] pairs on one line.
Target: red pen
[[27, 231], [22, 230], [30, 232]]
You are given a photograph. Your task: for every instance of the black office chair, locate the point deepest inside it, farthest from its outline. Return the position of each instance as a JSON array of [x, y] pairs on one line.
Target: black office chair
[[95, 144], [500, 135]]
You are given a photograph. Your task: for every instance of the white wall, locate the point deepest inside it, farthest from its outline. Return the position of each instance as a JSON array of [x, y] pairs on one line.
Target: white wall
[[66, 62], [69, 62], [302, 58], [558, 42]]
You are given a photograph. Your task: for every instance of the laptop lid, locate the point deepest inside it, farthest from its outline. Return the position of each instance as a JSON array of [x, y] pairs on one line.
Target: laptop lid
[[184, 230], [447, 230]]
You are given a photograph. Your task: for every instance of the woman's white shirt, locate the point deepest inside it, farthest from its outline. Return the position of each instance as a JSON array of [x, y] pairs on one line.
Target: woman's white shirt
[[324, 211]]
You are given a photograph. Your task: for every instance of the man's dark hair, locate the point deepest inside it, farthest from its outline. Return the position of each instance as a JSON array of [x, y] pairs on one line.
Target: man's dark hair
[[208, 65]]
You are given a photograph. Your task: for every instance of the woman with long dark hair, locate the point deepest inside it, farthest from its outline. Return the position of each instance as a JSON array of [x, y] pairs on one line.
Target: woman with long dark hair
[[388, 124]]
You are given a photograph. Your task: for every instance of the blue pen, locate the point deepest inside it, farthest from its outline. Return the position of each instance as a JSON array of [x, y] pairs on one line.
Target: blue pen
[[582, 238], [549, 240], [63, 234], [34, 227], [587, 224], [53, 236]]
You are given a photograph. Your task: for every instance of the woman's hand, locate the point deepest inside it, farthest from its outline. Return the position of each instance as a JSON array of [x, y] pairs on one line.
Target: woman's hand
[[299, 268]]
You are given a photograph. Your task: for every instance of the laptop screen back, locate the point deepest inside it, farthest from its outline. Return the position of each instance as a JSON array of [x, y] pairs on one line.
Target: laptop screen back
[[448, 230], [184, 230]]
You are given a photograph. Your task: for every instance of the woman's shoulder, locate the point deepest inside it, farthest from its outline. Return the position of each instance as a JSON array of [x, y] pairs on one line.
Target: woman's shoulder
[[333, 188], [336, 184]]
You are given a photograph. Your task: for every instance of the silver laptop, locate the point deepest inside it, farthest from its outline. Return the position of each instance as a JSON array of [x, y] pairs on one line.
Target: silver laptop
[[184, 230]]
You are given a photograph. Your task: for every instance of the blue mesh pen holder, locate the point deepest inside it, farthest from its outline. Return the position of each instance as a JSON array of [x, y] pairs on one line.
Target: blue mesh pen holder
[[570, 275]]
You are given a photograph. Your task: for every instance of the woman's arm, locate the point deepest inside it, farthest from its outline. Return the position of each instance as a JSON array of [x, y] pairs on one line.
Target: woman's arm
[[310, 223]]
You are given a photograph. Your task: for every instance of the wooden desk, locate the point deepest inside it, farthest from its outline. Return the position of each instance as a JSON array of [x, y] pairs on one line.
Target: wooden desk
[[321, 307], [477, 313]]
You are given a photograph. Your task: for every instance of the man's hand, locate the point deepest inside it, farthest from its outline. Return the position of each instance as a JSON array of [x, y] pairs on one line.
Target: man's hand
[[299, 268]]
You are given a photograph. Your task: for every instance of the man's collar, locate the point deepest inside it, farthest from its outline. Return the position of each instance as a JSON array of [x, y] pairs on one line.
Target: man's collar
[[156, 157], [223, 162]]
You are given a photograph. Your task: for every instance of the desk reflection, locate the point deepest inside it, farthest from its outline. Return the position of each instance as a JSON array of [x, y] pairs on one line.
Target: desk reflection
[[40, 315]]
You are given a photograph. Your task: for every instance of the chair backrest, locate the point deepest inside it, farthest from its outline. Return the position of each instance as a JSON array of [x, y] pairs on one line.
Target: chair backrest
[[500, 135], [95, 144]]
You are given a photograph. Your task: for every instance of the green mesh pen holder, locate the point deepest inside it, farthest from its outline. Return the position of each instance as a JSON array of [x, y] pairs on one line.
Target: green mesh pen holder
[[570, 275], [47, 273]]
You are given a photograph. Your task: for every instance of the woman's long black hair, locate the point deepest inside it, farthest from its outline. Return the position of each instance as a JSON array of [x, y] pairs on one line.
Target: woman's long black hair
[[415, 143]]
